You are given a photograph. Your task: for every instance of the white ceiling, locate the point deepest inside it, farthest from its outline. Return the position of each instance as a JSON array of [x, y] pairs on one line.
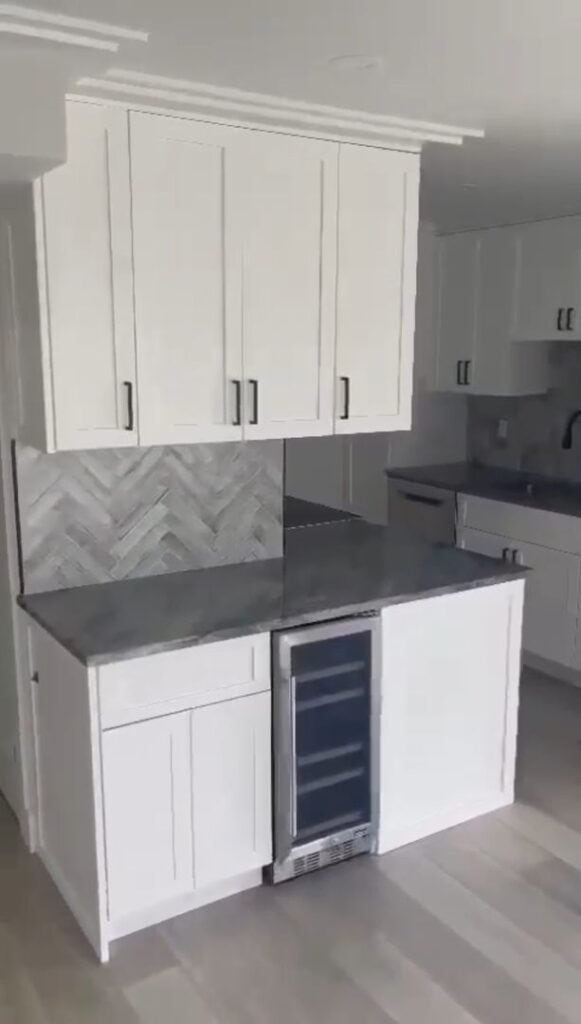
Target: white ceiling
[[509, 66]]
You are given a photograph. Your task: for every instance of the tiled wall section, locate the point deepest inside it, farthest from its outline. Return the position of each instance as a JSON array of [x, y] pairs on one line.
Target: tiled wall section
[[535, 424], [89, 517]]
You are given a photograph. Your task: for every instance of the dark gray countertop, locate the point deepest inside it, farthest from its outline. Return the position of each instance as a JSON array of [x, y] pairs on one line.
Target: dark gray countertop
[[526, 489], [328, 571]]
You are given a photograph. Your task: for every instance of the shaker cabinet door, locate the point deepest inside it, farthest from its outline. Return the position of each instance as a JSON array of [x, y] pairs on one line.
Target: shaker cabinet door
[[284, 208], [83, 224], [187, 302], [459, 264], [231, 788], [547, 303], [147, 808], [376, 289]]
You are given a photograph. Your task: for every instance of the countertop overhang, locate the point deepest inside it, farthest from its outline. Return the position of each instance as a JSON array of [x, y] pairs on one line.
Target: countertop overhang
[[327, 572]]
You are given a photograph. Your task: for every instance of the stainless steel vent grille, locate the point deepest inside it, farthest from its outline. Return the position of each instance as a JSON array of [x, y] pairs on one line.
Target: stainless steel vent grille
[[332, 852]]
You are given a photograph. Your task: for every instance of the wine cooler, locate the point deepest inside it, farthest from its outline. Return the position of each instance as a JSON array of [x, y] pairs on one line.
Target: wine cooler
[[324, 720]]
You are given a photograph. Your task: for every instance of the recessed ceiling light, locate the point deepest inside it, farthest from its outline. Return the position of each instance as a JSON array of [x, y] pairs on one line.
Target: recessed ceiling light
[[356, 62]]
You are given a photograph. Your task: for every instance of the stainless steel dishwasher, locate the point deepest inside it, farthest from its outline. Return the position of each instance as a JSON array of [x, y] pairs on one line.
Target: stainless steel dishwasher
[[325, 718], [422, 511]]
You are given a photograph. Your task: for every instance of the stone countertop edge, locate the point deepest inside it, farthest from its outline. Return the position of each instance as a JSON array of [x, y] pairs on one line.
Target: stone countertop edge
[[501, 574]]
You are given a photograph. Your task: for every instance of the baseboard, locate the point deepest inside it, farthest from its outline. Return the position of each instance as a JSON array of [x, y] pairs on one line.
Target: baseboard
[[89, 927], [409, 832], [183, 904], [552, 668]]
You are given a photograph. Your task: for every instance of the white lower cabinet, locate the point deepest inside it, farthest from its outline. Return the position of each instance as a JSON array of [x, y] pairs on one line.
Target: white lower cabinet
[[148, 815], [143, 819], [231, 788], [449, 710], [187, 801], [552, 592], [549, 545]]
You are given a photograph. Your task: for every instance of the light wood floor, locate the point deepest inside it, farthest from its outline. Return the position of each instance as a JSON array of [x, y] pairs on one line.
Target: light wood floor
[[482, 923]]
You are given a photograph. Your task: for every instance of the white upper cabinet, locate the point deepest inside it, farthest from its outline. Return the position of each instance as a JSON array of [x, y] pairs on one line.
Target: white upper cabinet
[[283, 195], [477, 277], [76, 354], [204, 282], [548, 287], [376, 288], [187, 305], [459, 260]]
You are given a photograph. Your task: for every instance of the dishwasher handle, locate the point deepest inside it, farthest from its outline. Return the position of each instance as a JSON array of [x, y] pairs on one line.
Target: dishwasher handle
[[422, 499]]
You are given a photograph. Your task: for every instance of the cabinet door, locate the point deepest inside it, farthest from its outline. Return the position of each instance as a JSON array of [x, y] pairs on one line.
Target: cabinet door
[[376, 288], [231, 786], [147, 801], [459, 264], [284, 194], [187, 302], [551, 593], [85, 276], [548, 287]]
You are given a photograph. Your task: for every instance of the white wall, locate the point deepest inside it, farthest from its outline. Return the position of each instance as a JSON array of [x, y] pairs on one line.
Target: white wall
[[10, 774], [349, 472], [32, 113]]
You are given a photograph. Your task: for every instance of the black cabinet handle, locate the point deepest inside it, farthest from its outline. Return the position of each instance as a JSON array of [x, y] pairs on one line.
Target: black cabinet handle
[[459, 373], [127, 384], [347, 397], [237, 403], [421, 499], [570, 318], [253, 384], [560, 319]]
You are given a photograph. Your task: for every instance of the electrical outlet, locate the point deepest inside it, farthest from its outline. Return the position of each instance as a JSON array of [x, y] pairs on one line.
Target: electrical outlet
[[502, 430]]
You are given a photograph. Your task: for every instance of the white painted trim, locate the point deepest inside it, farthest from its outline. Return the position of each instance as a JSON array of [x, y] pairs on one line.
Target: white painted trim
[[183, 904], [17, 20], [402, 835], [83, 919], [251, 109]]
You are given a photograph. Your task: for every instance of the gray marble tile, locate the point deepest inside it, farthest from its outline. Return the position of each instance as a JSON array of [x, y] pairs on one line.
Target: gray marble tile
[[328, 571], [94, 516], [535, 423]]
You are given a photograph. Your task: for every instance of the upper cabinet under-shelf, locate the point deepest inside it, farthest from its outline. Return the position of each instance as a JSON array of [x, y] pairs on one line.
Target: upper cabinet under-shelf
[[179, 281]]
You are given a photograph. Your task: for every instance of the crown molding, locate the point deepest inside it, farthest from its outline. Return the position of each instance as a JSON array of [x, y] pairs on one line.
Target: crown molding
[[60, 29], [257, 110]]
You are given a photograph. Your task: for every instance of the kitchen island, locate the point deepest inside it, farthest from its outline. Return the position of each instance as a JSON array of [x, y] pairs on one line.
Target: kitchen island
[[153, 723]]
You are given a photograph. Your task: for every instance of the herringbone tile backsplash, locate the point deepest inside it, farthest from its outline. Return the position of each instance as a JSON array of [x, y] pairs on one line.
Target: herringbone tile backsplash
[[90, 517]]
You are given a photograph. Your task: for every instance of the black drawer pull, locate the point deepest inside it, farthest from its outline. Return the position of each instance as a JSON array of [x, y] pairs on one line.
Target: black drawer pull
[[253, 384]]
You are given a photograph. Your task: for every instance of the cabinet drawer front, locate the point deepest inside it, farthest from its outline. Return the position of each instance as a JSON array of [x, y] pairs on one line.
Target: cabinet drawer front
[[535, 526], [164, 683]]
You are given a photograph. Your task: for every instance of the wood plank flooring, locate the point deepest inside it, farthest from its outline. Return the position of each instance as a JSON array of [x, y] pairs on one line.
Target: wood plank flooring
[[478, 924]]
